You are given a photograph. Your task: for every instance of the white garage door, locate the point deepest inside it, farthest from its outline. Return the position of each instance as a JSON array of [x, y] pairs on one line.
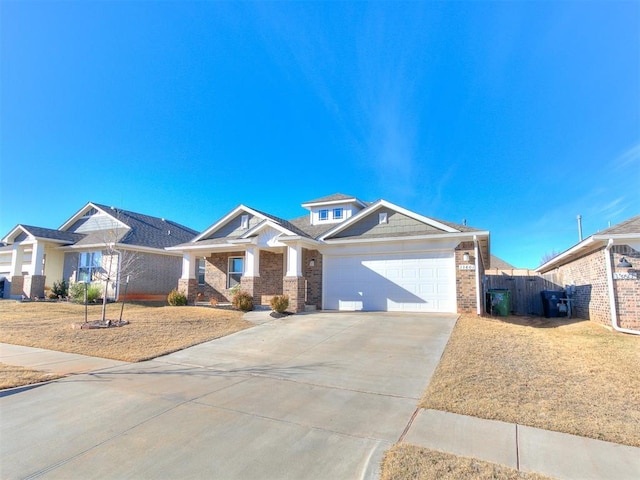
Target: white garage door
[[395, 283]]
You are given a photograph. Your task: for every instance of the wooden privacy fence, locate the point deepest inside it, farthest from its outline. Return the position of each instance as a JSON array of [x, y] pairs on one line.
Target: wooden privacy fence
[[525, 287]]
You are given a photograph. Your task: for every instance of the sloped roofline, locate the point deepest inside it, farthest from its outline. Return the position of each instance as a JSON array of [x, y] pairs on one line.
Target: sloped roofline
[[77, 216], [223, 221], [28, 230], [333, 200], [383, 203]]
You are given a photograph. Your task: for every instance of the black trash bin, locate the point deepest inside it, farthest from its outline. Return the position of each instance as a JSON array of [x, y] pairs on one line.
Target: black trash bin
[[550, 303]]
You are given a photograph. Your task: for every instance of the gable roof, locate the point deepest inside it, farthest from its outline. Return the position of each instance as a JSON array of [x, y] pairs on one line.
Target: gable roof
[[625, 232], [46, 234], [500, 264]]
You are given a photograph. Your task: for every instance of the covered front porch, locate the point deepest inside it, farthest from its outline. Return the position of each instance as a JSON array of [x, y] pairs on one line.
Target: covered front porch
[[216, 273]]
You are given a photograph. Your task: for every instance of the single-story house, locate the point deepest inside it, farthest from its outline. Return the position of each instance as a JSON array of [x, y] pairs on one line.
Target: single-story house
[[344, 254], [604, 271], [95, 243]]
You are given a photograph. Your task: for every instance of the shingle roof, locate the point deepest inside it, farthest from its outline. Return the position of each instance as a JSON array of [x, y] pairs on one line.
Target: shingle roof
[[631, 225], [52, 234], [149, 231], [332, 198], [500, 264]]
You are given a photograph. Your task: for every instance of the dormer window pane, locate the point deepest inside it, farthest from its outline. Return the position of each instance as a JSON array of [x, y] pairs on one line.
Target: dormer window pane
[[323, 214], [338, 213]]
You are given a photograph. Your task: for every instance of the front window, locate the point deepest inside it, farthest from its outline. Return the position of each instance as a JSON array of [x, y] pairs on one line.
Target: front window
[[323, 214], [236, 269], [201, 269], [337, 213], [89, 266]]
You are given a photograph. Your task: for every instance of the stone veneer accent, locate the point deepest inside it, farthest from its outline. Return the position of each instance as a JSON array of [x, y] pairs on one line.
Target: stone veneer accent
[[17, 284], [466, 279]]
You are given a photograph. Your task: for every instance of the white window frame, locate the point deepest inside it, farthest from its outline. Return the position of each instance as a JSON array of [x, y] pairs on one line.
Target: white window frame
[[89, 264], [338, 213], [200, 270], [244, 222], [383, 218], [231, 272], [323, 214]]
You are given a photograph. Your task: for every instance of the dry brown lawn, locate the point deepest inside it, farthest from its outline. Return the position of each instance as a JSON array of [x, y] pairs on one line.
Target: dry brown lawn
[[12, 376], [577, 378], [404, 461], [152, 331]]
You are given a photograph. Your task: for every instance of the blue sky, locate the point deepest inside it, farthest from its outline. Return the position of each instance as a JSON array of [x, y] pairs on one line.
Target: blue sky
[[516, 116]]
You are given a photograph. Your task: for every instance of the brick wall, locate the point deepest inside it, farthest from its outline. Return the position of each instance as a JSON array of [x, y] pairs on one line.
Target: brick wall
[[313, 277], [591, 300], [215, 276], [465, 279]]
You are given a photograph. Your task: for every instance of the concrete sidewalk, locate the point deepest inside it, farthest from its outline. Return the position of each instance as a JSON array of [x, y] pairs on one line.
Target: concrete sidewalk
[[53, 362], [528, 449]]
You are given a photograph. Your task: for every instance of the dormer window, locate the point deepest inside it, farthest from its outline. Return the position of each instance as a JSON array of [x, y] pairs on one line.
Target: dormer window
[[244, 222], [323, 215], [338, 213]]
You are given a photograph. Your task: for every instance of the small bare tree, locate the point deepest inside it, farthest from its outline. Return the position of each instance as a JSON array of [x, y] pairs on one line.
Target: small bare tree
[[548, 256]]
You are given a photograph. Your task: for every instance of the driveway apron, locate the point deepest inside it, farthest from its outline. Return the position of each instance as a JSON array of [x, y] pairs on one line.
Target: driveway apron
[[314, 396]]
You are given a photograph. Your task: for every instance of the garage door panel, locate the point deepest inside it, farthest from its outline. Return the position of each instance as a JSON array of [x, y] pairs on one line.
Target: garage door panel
[[394, 283]]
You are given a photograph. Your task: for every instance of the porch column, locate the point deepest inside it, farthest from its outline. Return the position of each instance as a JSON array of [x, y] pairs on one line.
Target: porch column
[[188, 283], [37, 258], [294, 261], [252, 262], [17, 280]]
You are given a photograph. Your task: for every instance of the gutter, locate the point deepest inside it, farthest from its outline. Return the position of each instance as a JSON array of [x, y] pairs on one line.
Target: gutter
[[612, 302], [479, 295]]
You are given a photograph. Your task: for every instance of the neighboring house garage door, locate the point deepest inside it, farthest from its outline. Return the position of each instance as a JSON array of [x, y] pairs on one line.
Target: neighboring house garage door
[[395, 283]]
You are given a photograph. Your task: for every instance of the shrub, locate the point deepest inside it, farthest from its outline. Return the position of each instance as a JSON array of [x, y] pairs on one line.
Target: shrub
[[242, 301], [176, 298], [60, 290], [279, 303], [76, 292]]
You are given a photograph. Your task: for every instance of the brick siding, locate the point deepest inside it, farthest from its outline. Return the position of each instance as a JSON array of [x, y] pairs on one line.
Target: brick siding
[[466, 279]]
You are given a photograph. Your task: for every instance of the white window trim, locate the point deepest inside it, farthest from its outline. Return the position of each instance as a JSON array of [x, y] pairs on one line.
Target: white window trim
[[201, 262], [229, 272], [92, 266], [339, 210], [326, 212]]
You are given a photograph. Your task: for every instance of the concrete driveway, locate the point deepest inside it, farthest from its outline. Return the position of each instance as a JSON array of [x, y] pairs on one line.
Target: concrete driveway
[[313, 396]]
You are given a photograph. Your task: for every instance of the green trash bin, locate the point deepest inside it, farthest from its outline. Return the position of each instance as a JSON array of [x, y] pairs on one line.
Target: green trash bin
[[499, 302]]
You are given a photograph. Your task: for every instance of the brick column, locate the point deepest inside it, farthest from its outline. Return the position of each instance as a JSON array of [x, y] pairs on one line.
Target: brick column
[[294, 287], [250, 285], [189, 286], [34, 286], [17, 282]]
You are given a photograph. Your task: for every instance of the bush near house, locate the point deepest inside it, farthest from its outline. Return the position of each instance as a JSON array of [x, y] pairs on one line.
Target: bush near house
[[76, 292], [279, 303], [60, 290], [176, 298], [242, 301]]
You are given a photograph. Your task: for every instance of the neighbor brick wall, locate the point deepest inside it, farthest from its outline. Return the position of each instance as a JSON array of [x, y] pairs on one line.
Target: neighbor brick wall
[[151, 275], [465, 279], [591, 300]]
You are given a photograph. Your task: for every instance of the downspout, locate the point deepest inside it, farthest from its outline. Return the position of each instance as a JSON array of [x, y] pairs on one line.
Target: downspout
[[476, 254], [612, 301]]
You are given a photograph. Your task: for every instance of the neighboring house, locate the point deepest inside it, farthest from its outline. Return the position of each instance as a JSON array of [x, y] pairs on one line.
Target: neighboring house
[[345, 254], [604, 270], [95, 242]]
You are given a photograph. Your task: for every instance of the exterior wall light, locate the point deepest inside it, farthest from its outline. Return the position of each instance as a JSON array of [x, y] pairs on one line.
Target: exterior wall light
[[624, 263], [466, 257], [312, 262]]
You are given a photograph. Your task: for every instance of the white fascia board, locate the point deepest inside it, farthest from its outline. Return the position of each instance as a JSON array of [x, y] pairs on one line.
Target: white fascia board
[[299, 239], [13, 233], [225, 219], [264, 224], [118, 247], [383, 203], [200, 247], [83, 211], [594, 241]]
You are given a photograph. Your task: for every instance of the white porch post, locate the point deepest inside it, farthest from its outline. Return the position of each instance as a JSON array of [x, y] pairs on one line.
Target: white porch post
[[294, 261], [188, 266], [36, 259], [17, 256], [252, 262]]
